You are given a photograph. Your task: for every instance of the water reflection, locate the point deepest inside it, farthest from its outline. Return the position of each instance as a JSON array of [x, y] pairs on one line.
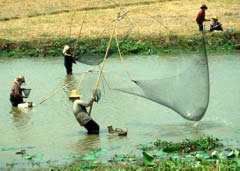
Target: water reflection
[[69, 84], [20, 116], [192, 130], [87, 143]]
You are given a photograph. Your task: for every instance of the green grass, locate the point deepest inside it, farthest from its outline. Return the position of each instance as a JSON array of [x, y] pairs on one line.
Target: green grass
[[216, 42]]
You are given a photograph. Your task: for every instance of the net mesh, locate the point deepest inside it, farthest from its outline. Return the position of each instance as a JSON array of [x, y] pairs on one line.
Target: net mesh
[[186, 92]]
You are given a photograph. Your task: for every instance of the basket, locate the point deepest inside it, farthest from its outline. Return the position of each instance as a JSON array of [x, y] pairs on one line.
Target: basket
[[26, 91]]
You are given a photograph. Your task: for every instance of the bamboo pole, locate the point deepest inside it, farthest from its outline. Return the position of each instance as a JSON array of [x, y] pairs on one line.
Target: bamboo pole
[[102, 66], [79, 34], [56, 91]]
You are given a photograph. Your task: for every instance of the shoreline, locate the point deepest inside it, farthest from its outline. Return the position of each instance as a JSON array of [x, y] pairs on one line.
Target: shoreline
[[204, 153], [217, 42]]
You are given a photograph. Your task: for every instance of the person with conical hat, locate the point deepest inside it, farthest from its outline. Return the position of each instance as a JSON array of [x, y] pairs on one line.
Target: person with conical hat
[[201, 17], [215, 25], [68, 59], [16, 96], [81, 114]]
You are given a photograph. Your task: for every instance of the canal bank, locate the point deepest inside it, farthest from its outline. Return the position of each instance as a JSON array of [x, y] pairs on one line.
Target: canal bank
[[217, 42]]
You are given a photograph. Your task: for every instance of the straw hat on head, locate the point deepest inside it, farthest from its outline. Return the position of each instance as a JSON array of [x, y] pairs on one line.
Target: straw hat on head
[[204, 6], [74, 94], [66, 48], [20, 78]]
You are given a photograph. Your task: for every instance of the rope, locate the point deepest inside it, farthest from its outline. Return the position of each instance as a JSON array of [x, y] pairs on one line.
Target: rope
[[56, 91], [80, 30], [79, 84], [106, 81], [121, 57]]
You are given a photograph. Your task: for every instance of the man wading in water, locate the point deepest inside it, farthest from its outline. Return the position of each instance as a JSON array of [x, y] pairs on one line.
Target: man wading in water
[[68, 59], [201, 17], [82, 115], [16, 96]]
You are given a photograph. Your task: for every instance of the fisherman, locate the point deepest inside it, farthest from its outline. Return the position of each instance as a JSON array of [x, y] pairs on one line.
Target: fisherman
[[201, 17], [68, 59], [215, 25], [16, 96], [82, 115]]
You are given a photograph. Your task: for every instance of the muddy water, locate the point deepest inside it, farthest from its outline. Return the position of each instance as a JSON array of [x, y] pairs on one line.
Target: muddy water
[[51, 132]]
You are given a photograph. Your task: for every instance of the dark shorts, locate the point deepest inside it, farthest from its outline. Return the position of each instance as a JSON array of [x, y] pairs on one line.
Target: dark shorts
[[15, 100], [68, 67], [92, 127], [200, 26]]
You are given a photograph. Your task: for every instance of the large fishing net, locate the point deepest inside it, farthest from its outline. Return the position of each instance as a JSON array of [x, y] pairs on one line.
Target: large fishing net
[[182, 86]]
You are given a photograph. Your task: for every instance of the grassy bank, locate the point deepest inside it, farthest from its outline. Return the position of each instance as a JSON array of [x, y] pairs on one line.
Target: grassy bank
[[151, 26], [216, 42]]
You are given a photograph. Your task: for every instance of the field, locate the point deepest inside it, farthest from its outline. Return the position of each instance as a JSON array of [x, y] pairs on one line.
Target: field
[[46, 19]]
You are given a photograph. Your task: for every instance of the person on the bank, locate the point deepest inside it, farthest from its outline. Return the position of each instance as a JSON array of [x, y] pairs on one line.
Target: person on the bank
[[201, 17], [215, 25], [16, 96], [82, 115], [68, 59]]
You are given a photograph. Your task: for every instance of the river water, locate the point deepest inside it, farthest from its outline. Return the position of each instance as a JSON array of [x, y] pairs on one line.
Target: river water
[[51, 133]]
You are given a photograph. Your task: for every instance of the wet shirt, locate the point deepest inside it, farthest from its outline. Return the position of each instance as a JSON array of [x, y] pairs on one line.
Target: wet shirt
[[80, 111], [200, 17], [16, 90], [68, 59]]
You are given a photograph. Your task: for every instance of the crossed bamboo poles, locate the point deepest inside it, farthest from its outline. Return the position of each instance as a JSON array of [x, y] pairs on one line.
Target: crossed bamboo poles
[[119, 17]]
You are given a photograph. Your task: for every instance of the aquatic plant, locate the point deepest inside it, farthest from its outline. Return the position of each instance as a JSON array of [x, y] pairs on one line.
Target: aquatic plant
[[187, 145]]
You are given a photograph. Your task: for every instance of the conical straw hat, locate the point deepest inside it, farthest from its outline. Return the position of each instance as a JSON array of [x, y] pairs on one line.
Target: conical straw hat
[[74, 94]]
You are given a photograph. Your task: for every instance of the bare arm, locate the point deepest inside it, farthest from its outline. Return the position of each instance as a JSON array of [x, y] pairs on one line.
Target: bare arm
[[67, 54], [85, 104], [17, 91]]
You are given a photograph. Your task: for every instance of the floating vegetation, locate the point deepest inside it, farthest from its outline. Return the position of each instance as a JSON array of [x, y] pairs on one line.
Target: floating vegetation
[[9, 148], [124, 157], [95, 154], [187, 145], [207, 153]]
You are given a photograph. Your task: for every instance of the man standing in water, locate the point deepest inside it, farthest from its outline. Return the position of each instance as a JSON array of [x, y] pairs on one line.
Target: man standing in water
[[201, 17], [68, 59], [16, 96], [82, 115]]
